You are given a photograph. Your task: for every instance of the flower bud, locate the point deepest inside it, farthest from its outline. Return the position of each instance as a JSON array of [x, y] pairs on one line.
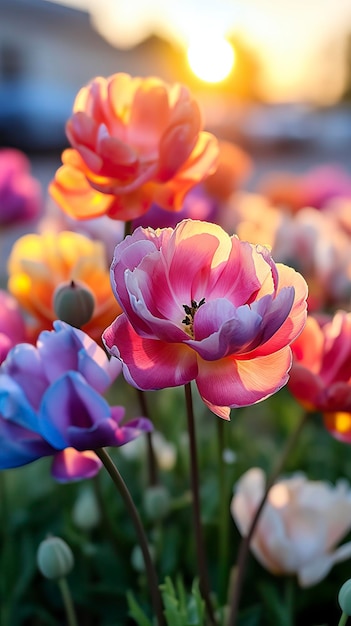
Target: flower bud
[[137, 558], [156, 502], [86, 513], [345, 597], [229, 456], [54, 558], [74, 303]]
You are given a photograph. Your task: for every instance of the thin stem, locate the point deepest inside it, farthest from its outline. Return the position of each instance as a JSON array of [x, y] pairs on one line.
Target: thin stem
[[67, 601], [128, 226], [289, 600], [152, 465], [194, 475], [6, 553], [150, 570], [343, 619], [246, 540], [224, 515]]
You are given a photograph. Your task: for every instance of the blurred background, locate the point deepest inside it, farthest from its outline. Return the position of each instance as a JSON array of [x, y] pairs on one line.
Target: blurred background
[[273, 77]]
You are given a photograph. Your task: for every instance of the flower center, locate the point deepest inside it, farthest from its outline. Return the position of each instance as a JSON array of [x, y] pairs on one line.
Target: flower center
[[190, 314]]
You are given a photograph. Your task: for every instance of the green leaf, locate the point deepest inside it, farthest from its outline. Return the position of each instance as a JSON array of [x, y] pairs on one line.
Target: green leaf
[[136, 611]]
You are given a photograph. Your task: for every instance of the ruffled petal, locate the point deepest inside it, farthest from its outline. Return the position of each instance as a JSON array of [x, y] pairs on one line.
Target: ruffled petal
[[295, 321], [234, 383], [76, 197], [226, 336], [149, 363]]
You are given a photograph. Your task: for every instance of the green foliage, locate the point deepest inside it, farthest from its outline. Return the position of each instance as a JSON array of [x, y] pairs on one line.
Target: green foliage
[[180, 608], [34, 506]]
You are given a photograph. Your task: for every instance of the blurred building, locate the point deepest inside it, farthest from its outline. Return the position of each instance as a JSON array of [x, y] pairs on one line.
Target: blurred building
[[47, 52]]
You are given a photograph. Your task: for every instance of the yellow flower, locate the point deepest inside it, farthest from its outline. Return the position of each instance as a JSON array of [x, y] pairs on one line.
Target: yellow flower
[[38, 264]]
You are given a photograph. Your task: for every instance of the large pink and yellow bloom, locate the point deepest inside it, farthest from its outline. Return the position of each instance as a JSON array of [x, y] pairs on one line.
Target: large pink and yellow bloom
[[134, 141], [201, 305], [321, 372]]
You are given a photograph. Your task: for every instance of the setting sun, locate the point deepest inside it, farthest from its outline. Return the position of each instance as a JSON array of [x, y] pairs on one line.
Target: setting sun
[[213, 60]]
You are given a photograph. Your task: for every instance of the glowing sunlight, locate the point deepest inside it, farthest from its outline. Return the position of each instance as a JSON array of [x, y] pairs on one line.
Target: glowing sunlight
[[212, 61]]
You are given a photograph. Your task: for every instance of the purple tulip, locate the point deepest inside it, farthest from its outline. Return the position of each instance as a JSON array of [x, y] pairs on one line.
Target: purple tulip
[[51, 404]]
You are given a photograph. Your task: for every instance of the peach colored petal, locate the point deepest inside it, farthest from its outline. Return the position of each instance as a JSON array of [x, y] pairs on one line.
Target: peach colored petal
[[234, 383]]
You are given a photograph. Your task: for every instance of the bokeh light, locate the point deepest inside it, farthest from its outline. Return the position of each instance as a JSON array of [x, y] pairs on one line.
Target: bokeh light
[[212, 63]]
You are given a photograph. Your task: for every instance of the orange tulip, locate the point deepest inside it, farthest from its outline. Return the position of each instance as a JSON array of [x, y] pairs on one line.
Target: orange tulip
[[38, 264], [134, 141]]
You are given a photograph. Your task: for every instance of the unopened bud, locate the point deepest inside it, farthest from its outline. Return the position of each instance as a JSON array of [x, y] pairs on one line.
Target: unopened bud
[[137, 558], [157, 502], [54, 558], [86, 512], [74, 303], [345, 597]]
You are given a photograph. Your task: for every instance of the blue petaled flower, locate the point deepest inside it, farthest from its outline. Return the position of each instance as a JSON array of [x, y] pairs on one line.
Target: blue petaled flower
[[51, 404]]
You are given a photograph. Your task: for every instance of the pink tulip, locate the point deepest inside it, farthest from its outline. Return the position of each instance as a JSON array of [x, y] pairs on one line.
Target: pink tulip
[[320, 378], [200, 305], [134, 141], [20, 193], [300, 526]]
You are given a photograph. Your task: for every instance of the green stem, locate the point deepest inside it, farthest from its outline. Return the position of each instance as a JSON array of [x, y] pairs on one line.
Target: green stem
[[289, 600], [67, 601], [149, 566], [246, 540], [224, 516], [6, 556], [151, 457], [194, 476], [343, 619]]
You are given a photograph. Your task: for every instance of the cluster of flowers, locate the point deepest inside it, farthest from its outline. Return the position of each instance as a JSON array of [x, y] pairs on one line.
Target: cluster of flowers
[[185, 299]]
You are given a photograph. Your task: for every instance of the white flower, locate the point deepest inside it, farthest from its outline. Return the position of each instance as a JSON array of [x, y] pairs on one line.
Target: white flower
[[300, 525]]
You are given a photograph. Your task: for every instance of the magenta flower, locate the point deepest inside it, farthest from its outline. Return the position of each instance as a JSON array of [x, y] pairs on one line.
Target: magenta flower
[[12, 326], [20, 192], [51, 404], [200, 305]]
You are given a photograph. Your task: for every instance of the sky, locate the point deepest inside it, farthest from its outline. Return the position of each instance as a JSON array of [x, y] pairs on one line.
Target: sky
[[301, 43]]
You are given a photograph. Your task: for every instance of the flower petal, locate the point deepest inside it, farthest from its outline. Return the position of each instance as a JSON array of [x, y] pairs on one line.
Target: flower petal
[[149, 363], [234, 383], [234, 334], [24, 366], [69, 464], [19, 446], [73, 414], [14, 405]]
